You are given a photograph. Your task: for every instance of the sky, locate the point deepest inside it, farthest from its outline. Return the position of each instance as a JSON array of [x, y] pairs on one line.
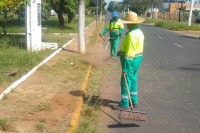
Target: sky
[[108, 1]]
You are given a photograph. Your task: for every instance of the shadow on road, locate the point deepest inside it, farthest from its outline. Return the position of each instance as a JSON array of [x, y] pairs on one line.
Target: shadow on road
[[123, 125], [192, 67], [191, 37]]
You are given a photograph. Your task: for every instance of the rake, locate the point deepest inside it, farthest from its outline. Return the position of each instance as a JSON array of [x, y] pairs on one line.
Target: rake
[[106, 40], [130, 114]]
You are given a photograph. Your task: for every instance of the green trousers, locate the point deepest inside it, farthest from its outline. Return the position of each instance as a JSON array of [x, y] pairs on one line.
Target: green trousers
[[131, 78], [114, 44]]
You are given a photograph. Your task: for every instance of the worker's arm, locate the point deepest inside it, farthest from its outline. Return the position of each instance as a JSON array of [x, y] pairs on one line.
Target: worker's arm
[[125, 60], [121, 29], [106, 29]]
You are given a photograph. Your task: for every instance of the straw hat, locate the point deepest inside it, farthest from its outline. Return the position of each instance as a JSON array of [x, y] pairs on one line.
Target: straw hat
[[132, 18]]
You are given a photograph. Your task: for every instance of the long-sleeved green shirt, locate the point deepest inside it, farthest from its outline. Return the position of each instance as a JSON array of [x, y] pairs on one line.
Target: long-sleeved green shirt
[[132, 47], [116, 28]]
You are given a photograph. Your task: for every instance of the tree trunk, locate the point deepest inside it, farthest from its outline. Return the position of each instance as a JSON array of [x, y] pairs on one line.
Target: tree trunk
[[81, 28], [181, 10], [5, 23], [61, 19]]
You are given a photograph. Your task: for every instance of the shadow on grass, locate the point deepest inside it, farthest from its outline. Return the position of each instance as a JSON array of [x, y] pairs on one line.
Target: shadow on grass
[[12, 40], [72, 51], [93, 100]]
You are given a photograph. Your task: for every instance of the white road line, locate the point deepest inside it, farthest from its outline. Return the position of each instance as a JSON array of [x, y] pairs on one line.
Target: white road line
[[178, 45], [160, 37]]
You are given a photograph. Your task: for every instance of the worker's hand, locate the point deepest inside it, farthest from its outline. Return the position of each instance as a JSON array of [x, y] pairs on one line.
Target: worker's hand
[[100, 34], [124, 73], [118, 53]]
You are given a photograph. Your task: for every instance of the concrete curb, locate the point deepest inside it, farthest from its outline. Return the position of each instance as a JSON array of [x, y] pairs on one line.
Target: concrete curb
[[76, 115]]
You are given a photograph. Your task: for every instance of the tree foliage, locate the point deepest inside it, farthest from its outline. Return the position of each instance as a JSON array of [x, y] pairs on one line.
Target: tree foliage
[[9, 6], [67, 7], [140, 6], [114, 6], [91, 5]]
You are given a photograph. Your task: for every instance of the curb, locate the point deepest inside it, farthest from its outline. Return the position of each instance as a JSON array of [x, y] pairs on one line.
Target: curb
[[76, 115]]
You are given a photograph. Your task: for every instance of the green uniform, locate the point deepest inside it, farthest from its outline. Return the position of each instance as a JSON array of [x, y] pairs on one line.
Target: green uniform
[[131, 58], [116, 28]]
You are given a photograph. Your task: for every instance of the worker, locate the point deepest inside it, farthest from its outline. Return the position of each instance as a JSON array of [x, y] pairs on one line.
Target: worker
[[116, 28], [131, 55]]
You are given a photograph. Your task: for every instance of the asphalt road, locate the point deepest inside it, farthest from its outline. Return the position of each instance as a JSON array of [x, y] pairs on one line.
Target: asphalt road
[[169, 86]]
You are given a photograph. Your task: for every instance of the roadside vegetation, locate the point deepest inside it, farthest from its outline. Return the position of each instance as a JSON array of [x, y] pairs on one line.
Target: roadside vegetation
[[173, 25], [89, 120], [16, 60], [50, 25]]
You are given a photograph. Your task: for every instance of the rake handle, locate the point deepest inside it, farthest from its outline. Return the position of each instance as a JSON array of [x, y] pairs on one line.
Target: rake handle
[[127, 89]]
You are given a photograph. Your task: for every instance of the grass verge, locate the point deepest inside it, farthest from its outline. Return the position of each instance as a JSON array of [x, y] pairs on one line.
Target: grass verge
[[89, 120], [16, 59], [173, 25]]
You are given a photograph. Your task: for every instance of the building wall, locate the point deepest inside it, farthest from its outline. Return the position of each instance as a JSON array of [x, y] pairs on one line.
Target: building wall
[[174, 7]]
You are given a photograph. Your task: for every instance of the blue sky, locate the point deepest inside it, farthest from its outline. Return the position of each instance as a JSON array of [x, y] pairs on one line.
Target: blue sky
[[108, 1]]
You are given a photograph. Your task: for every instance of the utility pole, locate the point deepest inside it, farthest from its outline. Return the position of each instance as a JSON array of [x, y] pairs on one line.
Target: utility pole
[[81, 27], [190, 15], [101, 11], [97, 3]]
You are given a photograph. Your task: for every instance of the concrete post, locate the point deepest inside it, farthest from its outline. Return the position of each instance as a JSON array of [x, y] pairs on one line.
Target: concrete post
[[190, 15], [33, 25], [81, 27]]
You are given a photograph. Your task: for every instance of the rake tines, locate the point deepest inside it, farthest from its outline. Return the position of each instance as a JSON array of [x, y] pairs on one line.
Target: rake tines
[[132, 115]]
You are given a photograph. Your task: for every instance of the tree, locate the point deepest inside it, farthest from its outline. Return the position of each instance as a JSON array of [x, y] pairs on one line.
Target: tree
[[114, 6], [61, 7], [46, 8], [9, 6], [140, 6]]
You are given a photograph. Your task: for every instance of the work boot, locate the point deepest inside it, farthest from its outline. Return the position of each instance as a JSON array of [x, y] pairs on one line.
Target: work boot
[[117, 107]]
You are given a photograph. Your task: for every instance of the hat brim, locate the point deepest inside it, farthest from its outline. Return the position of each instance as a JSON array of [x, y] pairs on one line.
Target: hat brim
[[140, 20]]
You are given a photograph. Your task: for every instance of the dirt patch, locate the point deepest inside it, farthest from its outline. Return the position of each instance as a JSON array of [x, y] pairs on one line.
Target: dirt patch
[[43, 102]]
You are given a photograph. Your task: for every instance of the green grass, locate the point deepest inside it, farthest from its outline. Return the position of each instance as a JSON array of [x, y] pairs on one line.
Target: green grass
[[52, 25], [3, 124], [18, 58], [42, 125], [89, 121], [173, 25], [13, 53]]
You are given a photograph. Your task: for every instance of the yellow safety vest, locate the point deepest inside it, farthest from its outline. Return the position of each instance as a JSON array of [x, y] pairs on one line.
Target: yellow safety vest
[[115, 28], [132, 45]]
